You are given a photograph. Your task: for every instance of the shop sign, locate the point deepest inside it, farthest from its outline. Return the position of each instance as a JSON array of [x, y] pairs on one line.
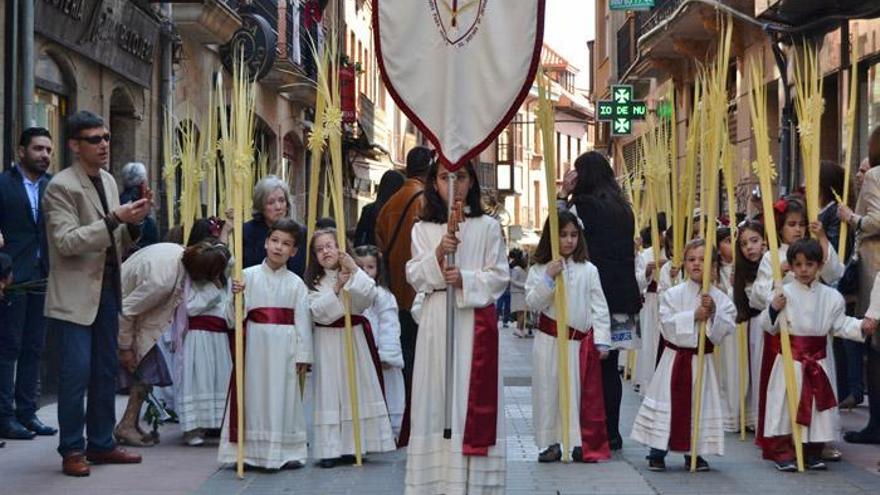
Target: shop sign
[[631, 4], [114, 33], [255, 42]]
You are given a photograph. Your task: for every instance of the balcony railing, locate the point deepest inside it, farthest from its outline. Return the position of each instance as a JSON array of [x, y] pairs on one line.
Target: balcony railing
[[625, 46], [647, 20]]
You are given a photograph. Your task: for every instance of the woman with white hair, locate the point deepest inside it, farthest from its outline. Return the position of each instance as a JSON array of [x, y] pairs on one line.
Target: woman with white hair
[[271, 203], [134, 184]]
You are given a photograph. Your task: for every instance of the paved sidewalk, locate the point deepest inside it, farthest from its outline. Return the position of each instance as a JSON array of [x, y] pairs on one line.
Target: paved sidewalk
[[33, 467]]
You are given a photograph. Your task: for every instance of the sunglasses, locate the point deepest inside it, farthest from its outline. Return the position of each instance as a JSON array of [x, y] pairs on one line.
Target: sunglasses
[[95, 140]]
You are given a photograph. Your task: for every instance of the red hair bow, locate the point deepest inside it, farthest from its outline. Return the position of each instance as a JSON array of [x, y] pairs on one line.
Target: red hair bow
[[780, 206]]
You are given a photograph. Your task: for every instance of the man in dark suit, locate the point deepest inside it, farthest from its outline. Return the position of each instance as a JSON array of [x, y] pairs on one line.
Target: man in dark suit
[[23, 329]]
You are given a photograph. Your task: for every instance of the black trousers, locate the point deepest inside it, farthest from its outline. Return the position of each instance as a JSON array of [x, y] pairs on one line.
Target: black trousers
[[409, 329], [612, 389]]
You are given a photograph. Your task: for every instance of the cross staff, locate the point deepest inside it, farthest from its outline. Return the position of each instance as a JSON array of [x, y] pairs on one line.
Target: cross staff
[[453, 219]]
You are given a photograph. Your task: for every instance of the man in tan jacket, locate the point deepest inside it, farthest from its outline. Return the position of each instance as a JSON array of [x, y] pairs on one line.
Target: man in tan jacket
[[393, 236], [87, 230]]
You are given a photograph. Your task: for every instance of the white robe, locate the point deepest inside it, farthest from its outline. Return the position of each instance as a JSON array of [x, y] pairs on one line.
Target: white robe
[[385, 321], [762, 292], [434, 464], [274, 420], [815, 310], [586, 309], [727, 360], [333, 425], [207, 360], [649, 322], [653, 422]]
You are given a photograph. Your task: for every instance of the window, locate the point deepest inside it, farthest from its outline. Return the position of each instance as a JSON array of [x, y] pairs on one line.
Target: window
[[503, 146]]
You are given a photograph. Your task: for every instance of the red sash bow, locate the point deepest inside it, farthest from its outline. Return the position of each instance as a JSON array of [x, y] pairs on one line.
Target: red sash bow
[[681, 391], [809, 350], [268, 316], [480, 427], [594, 433]]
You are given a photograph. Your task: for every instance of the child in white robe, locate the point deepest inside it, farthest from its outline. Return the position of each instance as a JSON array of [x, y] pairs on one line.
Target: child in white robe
[[589, 341], [386, 333], [473, 459], [813, 312], [278, 348], [207, 360], [727, 357], [747, 258], [330, 274], [650, 281], [791, 221], [664, 419]]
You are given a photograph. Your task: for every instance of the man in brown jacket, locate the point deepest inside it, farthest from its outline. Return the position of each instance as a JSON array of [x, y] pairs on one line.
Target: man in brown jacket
[[87, 229], [393, 228]]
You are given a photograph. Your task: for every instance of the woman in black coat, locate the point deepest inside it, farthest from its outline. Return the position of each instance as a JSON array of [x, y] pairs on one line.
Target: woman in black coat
[[607, 216]]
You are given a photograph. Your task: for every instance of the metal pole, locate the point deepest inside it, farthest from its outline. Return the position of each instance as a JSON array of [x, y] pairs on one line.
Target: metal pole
[[786, 170], [166, 94], [450, 322], [10, 84], [27, 60]]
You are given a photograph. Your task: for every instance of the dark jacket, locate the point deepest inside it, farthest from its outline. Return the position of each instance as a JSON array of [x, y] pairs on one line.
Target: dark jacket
[[365, 234], [254, 237], [24, 238], [609, 230]]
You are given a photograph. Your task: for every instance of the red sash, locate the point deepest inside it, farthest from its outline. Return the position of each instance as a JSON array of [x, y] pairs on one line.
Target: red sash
[[371, 343], [772, 448], [207, 323], [270, 316], [480, 427], [809, 350], [594, 433], [681, 391]]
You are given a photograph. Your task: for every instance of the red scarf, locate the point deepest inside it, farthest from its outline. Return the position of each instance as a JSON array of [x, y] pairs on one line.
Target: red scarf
[[371, 343], [594, 433]]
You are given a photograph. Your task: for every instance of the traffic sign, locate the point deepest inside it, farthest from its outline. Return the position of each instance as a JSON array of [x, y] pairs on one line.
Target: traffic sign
[[621, 110]]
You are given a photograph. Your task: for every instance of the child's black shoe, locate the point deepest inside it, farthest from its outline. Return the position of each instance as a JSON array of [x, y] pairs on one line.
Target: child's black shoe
[[551, 454], [656, 464], [815, 464], [702, 465], [786, 466]]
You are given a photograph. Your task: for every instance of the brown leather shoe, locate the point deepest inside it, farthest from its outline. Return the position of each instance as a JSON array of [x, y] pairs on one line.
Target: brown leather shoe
[[116, 456], [75, 464]]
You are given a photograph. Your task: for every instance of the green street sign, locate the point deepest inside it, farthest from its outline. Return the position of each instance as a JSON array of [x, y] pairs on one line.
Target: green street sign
[[621, 110], [631, 4]]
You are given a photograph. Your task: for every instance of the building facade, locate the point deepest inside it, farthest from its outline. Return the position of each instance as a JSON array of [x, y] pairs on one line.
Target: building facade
[[657, 49]]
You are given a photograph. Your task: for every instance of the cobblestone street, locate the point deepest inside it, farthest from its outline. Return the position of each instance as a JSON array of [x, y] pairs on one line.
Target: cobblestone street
[[32, 467]]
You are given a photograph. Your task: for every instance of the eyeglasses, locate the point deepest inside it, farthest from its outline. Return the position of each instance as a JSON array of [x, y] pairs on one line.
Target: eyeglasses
[[95, 140]]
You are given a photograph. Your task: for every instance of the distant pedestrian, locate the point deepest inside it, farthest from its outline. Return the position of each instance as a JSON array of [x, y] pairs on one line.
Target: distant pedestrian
[[391, 182]]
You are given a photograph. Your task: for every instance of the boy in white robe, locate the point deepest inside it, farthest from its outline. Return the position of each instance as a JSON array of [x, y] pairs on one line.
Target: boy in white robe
[[278, 348], [331, 273], [813, 312], [663, 422]]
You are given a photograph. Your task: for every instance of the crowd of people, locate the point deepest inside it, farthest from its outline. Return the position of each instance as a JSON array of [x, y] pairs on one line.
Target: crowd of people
[[139, 315]]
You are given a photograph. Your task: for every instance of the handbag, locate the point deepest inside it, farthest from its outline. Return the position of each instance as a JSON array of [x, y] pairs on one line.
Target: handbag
[[848, 285]]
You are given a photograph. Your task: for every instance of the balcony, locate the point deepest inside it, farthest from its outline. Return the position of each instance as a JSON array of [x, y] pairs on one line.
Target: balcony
[[216, 21], [209, 22], [668, 37]]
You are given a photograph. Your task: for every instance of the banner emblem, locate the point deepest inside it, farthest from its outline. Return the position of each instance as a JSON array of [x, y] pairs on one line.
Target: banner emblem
[[457, 20]]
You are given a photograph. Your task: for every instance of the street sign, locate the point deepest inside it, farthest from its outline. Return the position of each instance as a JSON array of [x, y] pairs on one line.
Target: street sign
[[621, 110], [631, 4]]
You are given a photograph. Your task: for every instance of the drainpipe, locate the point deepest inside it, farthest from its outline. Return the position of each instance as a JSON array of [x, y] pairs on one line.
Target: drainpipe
[[166, 98], [10, 82], [27, 59], [786, 177]]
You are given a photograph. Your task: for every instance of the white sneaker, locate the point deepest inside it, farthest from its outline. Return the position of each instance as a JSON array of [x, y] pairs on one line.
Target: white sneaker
[[194, 438]]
